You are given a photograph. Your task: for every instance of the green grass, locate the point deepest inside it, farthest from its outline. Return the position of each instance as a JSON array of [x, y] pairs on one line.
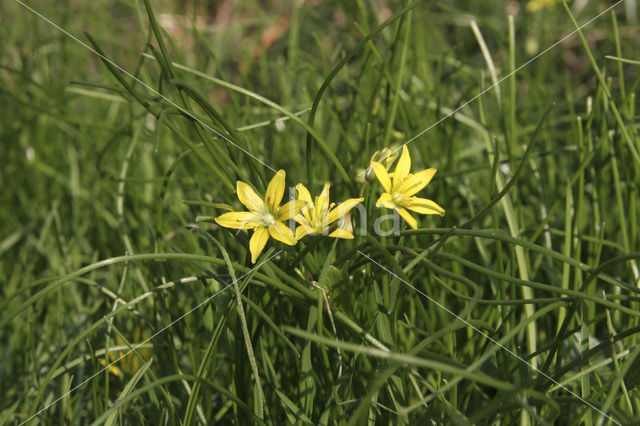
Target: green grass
[[519, 306]]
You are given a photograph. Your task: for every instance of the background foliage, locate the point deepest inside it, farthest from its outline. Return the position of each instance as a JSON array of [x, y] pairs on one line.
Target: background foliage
[[106, 237]]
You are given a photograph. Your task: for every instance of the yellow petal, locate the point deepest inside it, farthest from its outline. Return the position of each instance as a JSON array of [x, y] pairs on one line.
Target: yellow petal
[[382, 175], [303, 230], [407, 217], [322, 201], [275, 191], [248, 197], [303, 193], [341, 233], [112, 368], [416, 182], [290, 209], [258, 241], [236, 220], [345, 223], [424, 206], [403, 167], [307, 212], [282, 233], [301, 219], [385, 201], [343, 208]]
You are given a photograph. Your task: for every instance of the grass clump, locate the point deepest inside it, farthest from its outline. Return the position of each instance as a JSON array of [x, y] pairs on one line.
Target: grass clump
[[520, 304]]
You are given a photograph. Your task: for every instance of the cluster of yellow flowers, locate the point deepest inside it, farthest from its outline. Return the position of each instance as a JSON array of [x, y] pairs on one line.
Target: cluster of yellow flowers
[[320, 217]]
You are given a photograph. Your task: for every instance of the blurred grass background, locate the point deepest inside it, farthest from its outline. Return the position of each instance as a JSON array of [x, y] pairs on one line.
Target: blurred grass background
[[98, 247]]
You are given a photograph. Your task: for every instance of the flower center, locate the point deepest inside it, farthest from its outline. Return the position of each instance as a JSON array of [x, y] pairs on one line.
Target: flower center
[[397, 197], [317, 225], [265, 217]]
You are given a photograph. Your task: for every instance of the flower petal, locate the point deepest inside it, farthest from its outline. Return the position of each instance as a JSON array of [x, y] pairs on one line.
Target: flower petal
[[303, 230], [282, 233], [413, 223], [237, 220], [385, 201], [290, 209], [307, 211], [345, 223], [416, 182], [275, 191], [301, 219], [341, 233], [303, 193], [322, 201], [258, 241], [424, 206], [343, 208], [382, 175], [112, 368], [248, 197], [403, 167]]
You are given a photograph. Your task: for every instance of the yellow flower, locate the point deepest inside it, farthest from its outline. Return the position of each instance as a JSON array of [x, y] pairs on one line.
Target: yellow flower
[[266, 217], [112, 368], [130, 363], [316, 218], [399, 193]]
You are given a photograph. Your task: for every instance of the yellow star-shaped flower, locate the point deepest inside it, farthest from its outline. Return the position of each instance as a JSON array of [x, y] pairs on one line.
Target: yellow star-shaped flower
[[266, 217], [399, 193], [317, 218]]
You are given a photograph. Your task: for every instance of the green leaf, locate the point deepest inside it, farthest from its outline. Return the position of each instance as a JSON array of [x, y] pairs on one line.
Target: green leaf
[[127, 389]]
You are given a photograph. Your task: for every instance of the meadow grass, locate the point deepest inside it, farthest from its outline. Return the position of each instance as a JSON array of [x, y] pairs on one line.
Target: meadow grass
[[123, 302]]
